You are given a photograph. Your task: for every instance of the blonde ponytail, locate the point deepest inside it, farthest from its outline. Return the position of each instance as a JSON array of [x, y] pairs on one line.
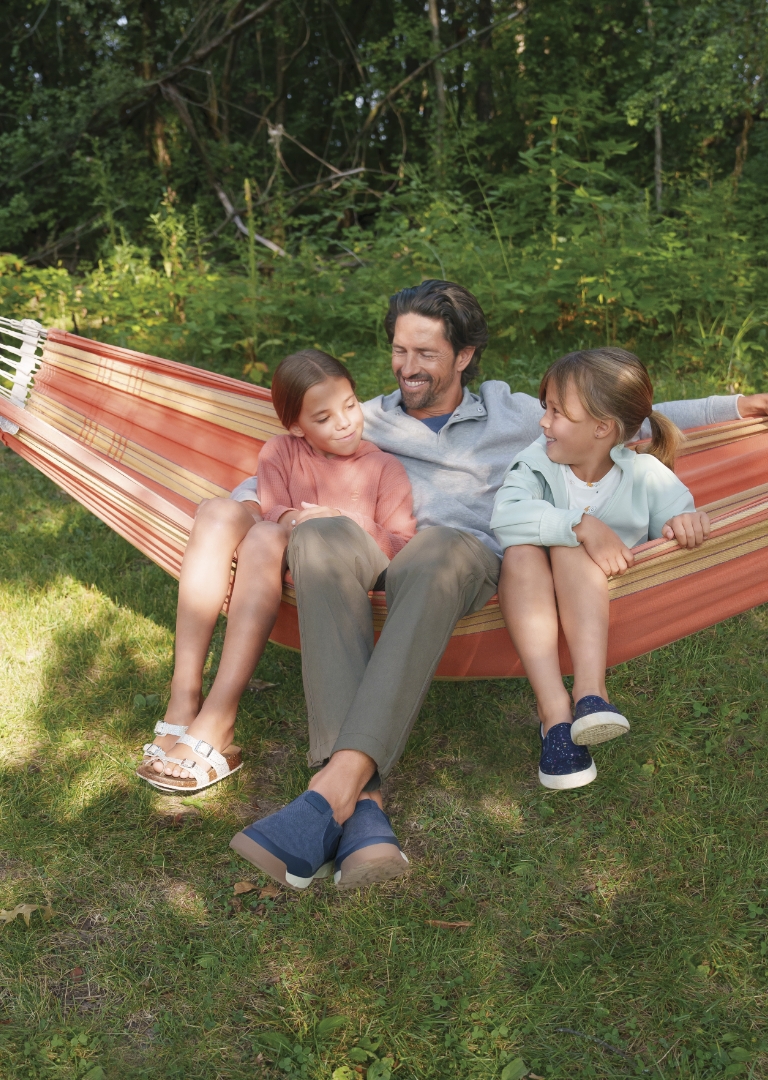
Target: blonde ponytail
[[666, 438]]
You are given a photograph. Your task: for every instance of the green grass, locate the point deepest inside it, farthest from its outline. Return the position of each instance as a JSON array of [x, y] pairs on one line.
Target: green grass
[[632, 912]]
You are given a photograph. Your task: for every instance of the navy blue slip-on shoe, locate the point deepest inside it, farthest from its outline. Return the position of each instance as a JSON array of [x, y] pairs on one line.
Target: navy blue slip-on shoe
[[368, 850], [562, 764], [596, 721], [295, 845]]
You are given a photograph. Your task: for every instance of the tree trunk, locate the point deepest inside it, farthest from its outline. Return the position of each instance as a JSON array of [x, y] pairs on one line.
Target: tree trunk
[[226, 84], [434, 18], [657, 142], [162, 156], [280, 65], [229, 63], [741, 149], [484, 90], [657, 160]]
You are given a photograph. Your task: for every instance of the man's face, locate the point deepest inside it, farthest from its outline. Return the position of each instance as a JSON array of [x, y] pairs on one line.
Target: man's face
[[425, 366]]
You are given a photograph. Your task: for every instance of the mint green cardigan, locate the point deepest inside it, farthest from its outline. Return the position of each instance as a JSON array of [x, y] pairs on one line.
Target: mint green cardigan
[[531, 506]]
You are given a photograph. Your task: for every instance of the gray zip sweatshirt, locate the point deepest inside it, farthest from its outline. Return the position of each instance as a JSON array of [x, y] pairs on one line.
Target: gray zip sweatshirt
[[456, 472]]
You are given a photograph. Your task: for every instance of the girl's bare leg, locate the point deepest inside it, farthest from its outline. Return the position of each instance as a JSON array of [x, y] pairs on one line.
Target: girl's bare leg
[[527, 602], [581, 588], [253, 608], [220, 526]]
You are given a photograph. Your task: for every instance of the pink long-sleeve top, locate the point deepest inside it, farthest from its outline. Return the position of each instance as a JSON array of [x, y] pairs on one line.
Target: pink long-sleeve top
[[370, 487]]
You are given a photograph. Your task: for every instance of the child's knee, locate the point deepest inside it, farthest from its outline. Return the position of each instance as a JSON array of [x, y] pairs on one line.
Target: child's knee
[[524, 560], [219, 511]]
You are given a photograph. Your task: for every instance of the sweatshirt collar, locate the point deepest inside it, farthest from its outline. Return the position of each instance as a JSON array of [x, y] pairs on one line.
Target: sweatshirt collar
[[470, 407]]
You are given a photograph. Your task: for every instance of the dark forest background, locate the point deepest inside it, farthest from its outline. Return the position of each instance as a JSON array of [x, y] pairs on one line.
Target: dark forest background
[[220, 182]]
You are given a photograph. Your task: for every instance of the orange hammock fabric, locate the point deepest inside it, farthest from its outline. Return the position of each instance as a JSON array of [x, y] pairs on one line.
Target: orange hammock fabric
[[141, 441]]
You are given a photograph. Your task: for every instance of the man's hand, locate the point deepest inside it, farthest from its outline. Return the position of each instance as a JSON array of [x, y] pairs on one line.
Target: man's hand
[[689, 530], [753, 405], [603, 546], [293, 518]]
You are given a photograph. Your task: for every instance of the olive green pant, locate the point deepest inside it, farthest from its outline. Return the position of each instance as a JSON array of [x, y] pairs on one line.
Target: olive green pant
[[365, 698]]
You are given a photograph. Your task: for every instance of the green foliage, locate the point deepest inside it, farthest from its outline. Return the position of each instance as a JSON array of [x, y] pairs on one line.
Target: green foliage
[[560, 257], [126, 132], [109, 109]]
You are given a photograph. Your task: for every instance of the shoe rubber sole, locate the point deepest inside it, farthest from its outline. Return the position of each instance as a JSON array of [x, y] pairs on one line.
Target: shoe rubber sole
[[568, 781], [368, 865], [270, 864], [597, 728]]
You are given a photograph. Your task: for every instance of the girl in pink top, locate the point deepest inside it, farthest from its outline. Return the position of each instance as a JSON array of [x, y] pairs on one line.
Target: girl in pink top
[[322, 468]]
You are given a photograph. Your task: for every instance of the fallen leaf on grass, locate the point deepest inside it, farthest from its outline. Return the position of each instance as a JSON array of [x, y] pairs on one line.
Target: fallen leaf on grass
[[515, 1070], [25, 910], [459, 925], [328, 1025], [259, 684], [76, 974], [243, 887], [268, 892]]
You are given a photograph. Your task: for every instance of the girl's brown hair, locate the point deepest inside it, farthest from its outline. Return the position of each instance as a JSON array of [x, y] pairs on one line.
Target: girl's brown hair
[[613, 384], [296, 374]]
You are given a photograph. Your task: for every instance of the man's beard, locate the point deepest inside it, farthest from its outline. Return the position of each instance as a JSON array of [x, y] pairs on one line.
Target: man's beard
[[426, 395]]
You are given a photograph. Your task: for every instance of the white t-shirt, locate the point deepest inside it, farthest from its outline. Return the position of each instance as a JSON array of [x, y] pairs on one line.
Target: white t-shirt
[[590, 498], [593, 498]]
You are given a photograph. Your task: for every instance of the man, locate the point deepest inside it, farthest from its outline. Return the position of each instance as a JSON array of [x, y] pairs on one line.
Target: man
[[362, 700]]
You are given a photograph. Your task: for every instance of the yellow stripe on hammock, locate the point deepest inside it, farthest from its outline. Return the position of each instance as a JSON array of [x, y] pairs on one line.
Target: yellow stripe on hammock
[[125, 451], [231, 411]]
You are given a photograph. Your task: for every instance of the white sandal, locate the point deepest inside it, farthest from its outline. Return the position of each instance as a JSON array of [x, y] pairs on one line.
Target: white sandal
[[156, 753], [216, 767]]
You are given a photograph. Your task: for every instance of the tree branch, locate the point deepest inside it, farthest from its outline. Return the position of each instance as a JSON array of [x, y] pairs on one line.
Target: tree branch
[[380, 105], [172, 95], [205, 50]]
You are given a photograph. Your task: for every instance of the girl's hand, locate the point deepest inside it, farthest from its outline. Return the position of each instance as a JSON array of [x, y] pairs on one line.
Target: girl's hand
[[310, 510], [603, 546], [689, 530]]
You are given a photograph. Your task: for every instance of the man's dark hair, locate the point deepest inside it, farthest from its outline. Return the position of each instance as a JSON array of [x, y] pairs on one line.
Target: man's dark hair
[[457, 309]]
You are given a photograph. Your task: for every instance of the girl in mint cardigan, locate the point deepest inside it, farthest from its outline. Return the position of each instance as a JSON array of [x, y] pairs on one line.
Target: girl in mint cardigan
[[570, 509]]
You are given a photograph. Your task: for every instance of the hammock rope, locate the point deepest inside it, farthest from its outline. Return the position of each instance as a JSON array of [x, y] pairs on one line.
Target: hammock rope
[[141, 441]]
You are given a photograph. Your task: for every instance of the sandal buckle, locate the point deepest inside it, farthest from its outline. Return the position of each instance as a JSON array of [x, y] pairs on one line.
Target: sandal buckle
[[186, 763], [203, 748]]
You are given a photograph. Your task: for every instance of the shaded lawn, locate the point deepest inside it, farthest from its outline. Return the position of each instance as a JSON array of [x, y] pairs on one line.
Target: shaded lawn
[[632, 912]]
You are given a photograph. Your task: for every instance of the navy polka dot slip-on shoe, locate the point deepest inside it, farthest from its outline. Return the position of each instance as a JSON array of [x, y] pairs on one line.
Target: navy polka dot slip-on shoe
[[368, 850], [563, 765], [295, 845], [596, 721]]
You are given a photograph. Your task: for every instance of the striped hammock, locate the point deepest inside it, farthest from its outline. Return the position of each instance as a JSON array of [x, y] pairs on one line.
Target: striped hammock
[[141, 441]]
